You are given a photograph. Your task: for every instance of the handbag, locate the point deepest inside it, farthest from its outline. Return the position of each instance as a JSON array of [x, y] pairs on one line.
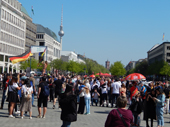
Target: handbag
[[122, 118]]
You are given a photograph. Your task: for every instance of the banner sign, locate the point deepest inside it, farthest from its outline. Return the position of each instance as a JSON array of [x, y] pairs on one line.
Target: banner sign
[[37, 49]]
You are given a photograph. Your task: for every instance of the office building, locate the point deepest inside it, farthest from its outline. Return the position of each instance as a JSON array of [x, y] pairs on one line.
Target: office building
[[31, 30], [46, 37], [12, 33], [70, 55], [159, 52]]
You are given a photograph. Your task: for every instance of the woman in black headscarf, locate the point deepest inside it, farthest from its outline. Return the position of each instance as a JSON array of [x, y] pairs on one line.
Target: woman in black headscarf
[[68, 104], [150, 107]]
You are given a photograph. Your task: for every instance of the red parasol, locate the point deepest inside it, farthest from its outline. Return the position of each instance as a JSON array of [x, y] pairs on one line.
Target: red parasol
[[135, 76], [108, 75], [92, 76]]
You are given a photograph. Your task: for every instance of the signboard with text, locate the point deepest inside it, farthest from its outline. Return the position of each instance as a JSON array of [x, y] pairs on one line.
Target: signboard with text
[[37, 49]]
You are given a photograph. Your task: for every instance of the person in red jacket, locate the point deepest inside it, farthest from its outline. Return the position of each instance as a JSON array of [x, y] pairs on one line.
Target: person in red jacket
[[133, 89]]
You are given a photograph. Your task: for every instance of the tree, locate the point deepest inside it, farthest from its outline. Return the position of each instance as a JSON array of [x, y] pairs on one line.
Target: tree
[[59, 64], [25, 64], [165, 70], [155, 68], [141, 67], [117, 69]]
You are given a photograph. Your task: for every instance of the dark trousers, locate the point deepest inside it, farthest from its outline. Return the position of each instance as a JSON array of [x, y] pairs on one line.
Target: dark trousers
[[109, 96], [114, 98], [51, 95], [104, 97], [147, 124], [3, 99], [81, 105]]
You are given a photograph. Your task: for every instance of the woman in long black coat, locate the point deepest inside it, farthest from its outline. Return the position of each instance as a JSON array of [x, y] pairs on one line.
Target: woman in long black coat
[[150, 108], [68, 104]]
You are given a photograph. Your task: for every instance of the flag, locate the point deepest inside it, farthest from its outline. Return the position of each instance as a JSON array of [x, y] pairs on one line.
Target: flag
[[43, 52], [32, 10], [163, 37], [22, 57]]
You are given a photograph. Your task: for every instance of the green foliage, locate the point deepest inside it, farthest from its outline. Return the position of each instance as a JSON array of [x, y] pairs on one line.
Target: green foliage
[[25, 64], [155, 68], [117, 69], [141, 68], [165, 70], [59, 64], [94, 67], [89, 67]]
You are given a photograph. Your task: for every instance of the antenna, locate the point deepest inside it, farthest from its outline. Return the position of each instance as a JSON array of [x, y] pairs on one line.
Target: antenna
[[62, 16]]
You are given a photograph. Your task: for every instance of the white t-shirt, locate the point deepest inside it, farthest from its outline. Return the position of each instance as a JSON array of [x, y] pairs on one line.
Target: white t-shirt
[[92, 87], [86, 95], [116, 86], [88, 85], [1, 78], [12, 88], [104, 90], [95, 95], [82, 93], [24, 88]]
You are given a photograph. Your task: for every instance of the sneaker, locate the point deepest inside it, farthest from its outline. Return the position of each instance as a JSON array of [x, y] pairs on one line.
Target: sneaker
[[11, 116], [88, 113], [22, 117], [39, 116], [43, 117], [85, 113], [53, 106], [30, 118], [17, 112]]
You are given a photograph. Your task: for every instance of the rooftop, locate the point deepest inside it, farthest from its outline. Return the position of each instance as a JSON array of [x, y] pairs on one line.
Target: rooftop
[[24, 10], [158, 45], [42, 29]]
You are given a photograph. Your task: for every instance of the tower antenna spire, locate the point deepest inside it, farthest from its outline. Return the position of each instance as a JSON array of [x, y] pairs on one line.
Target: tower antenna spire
[[62, 16]]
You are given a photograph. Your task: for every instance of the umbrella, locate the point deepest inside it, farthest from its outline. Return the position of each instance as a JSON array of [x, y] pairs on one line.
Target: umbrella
[[85, 76], [106, 74], [92, 76], [135, 76], [99, 73]]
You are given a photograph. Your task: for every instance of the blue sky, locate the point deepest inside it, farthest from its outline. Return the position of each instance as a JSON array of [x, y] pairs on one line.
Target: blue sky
[[114, 30]]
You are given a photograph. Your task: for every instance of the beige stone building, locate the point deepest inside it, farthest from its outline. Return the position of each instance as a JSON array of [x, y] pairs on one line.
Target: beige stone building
[[31, 29]]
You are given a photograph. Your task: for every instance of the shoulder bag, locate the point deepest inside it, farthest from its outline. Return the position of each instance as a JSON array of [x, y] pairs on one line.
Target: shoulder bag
[[122, 118]]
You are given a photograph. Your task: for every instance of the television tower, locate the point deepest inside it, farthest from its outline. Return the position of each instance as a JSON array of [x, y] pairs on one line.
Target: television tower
[[61, 32]]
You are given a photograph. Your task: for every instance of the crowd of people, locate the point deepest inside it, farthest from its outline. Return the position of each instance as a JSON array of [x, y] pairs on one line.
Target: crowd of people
[[72, 91]]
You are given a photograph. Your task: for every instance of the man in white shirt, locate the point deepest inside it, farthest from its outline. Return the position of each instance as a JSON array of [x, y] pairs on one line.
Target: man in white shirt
[[115, 89]]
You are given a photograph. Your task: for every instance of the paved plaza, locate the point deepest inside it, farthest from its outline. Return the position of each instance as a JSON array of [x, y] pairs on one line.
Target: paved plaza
[[95, 119]]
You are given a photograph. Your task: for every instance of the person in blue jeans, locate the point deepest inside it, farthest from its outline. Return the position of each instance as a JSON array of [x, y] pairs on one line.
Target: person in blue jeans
[[87, 98], [160, 101], [32, 82]]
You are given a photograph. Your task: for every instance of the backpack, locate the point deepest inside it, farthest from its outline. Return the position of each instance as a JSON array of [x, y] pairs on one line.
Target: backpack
[[46, 91], [27, 93]]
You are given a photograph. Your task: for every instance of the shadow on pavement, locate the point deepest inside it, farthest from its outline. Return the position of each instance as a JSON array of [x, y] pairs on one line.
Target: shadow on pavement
[[102, 112]]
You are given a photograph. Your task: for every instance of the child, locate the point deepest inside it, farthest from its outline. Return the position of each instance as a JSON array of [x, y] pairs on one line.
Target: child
[[95, 96], [136, 108]]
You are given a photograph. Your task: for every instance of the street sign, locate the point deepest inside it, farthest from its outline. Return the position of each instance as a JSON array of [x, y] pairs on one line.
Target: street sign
[[37, 49]]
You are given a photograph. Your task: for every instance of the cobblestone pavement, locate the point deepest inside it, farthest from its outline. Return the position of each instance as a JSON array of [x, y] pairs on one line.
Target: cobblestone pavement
[[95, 119]]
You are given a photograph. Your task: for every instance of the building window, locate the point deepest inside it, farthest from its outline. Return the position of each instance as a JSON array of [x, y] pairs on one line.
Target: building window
[[168, 47], [6, 58], [1, 57], [168, 54], [168, 60]]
